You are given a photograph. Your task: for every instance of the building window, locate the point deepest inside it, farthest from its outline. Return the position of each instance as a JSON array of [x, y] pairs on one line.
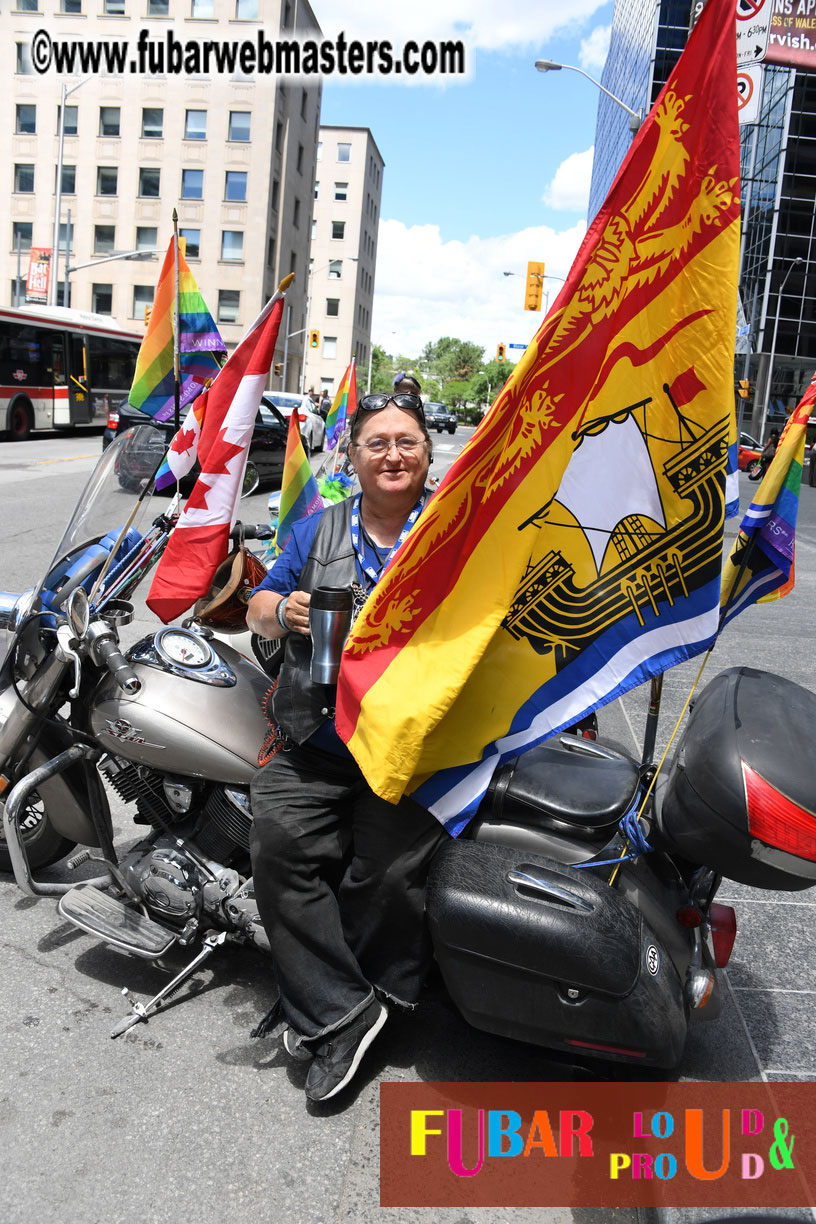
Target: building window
[[314, 229], [304, 100], [296, 214], [335, 269], [319, 153], [300, 159], [270, 253], [192, 184], [152, 122], [338, 229], [146, 237], [229, 302], [341, 192], [21, 232], [317, 190], [28, 6], [330, 347], [235, 185], [193, 236], [344, 152], [332, 307], [195, 125], [232, 244], [275, 194], [286, 16], [71, 117], [104, 239], [114, 8], [23, 63], [149, 181], [24, 178], [158, 8], [293, 262], [102, 299], [68, 183], [246, 10], [202, 9], [239, 123], [26, 124], [142, 297], [70, 6], [109, 117], [279, 136], [106, 180]]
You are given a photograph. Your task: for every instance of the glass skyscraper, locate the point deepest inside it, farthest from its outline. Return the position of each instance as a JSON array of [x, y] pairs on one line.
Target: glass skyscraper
[[778, 166]]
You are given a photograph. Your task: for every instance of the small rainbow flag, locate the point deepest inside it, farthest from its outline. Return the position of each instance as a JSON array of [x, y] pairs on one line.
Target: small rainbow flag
[[340, 410], [152, 391], [299, 492], [761, 565]]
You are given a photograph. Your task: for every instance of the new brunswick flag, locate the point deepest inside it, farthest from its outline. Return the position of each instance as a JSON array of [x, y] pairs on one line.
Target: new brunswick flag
[[760, 567], [574, 548]]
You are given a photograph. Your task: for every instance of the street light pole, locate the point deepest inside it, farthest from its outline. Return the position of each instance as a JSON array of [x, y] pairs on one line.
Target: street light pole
[[52, 288], [635, 117], [767, 396]]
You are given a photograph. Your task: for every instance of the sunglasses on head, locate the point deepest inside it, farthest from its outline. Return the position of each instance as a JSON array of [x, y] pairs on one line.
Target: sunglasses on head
[[403, 399]]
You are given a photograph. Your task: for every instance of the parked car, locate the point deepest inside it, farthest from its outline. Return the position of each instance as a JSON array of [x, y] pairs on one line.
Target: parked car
[[267, 450], [439, 416], [749, 450], [312, 425]]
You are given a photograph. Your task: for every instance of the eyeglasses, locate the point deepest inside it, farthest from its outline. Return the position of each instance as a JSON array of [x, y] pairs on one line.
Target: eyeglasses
[[381, 446], [403, 399]]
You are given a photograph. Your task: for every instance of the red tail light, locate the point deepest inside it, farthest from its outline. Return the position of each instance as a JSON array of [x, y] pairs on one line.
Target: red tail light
[[113, 418], [303, 416], [723, 932], [777, 820]]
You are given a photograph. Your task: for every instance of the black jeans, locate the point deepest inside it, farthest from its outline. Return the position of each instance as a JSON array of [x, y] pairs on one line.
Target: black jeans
[[339, 878]]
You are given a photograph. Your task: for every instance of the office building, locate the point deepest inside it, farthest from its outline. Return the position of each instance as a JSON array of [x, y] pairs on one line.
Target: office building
[[778, 168], [347, 192], [233, 153]]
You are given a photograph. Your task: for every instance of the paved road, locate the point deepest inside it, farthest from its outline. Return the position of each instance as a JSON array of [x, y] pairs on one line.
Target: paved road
[[186, 1116]]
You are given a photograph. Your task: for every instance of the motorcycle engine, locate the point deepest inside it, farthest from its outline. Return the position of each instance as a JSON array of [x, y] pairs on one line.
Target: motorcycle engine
[[169, 881]]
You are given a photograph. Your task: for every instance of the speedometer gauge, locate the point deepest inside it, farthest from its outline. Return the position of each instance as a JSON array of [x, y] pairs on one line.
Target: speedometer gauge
[[183, 649]]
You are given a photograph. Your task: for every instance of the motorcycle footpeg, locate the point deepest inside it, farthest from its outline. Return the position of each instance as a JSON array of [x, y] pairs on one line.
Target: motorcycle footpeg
[[97, 913]]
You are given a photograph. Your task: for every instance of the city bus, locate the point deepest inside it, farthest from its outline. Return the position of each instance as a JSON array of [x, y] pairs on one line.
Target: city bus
[[60, 368]]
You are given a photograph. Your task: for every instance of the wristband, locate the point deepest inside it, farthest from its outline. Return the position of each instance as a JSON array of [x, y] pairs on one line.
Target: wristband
[[279, 614]]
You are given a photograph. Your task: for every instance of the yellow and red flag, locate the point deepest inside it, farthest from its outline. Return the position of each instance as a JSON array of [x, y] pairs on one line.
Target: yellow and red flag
[[574, 548]]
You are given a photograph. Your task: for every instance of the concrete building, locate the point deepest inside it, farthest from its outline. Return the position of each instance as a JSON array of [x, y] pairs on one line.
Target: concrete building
[[778, 169], [347, 192], [234, 153]]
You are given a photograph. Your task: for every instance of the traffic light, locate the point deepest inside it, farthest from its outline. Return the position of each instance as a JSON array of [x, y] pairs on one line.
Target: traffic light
[[314, 338], [147, 315], [535, 278], [278, 369], [501, 352], [744, 388]]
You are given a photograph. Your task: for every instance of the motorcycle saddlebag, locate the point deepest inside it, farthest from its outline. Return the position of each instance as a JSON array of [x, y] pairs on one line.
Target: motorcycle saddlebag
[[741, 794], [543, 953]]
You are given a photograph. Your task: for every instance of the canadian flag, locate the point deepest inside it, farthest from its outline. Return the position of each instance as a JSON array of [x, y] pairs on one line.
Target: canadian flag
[[200, 540]]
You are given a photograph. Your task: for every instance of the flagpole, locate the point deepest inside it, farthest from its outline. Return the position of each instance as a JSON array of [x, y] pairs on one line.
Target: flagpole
[[176, 361]]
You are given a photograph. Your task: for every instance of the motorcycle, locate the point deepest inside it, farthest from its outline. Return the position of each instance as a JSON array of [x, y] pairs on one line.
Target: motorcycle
[[577, 910]]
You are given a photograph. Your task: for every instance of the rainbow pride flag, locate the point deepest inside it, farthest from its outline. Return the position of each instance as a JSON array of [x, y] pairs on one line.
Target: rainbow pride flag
[[761, 565], [299, 492], [340, 409], [152, 391]]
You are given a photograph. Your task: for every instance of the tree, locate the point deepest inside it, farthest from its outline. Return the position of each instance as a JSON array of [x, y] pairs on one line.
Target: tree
[[452, 360]]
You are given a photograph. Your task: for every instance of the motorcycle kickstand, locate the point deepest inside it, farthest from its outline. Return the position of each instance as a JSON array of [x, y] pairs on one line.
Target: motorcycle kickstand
[[142, 1011]]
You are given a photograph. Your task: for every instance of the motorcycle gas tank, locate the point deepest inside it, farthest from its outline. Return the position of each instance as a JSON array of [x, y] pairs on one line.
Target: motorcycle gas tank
[[178, 723]]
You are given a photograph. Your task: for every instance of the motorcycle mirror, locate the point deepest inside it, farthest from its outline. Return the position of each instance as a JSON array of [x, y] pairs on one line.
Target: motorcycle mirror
[[79, 612], [251, 479]]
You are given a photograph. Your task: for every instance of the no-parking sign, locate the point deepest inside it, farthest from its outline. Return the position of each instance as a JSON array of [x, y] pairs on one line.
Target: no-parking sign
[[749, 92], [753, 31]]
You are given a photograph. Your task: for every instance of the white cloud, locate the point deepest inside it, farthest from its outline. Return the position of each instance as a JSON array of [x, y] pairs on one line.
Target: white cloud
[[594, 49], [568, 189], [481, 23], [427, 288]]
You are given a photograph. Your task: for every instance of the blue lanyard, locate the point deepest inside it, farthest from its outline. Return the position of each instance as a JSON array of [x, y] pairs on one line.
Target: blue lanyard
[[363, 566]]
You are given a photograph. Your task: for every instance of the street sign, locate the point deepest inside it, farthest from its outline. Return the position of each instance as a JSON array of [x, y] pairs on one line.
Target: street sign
[[753, 30], [523, 346], [749, 92]]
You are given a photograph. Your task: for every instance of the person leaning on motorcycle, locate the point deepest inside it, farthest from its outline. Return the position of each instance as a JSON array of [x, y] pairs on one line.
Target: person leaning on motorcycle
[[339, 873]]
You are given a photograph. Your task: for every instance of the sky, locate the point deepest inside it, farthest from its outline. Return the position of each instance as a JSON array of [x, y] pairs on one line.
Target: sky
[[481, 174]]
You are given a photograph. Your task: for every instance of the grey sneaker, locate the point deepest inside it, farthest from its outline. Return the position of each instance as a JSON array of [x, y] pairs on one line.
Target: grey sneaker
[[300, 1053], [337, 1058]]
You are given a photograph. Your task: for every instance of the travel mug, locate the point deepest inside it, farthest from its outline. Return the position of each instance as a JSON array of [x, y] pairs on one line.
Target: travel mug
[[330, 613]]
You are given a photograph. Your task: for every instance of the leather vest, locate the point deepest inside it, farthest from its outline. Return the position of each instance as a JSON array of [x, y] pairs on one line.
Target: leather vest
[[300, 706]]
